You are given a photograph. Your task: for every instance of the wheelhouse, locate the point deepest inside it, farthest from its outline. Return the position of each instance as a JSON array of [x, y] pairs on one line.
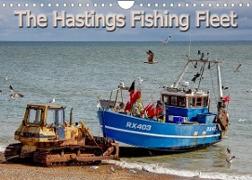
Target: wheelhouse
[[185, 100], [185, 106]]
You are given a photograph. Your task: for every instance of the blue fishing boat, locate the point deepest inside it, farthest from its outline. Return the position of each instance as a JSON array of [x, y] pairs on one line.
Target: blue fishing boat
[[179, 121]]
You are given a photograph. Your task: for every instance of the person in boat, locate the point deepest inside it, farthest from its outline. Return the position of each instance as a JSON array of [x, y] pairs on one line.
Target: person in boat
[[136, 111], [120, 107], [150, 56], [154, 112], [149, 111], [159, 110]]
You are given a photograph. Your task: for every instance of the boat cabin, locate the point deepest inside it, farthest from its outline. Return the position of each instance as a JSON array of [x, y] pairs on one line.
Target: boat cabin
[[185, 106]]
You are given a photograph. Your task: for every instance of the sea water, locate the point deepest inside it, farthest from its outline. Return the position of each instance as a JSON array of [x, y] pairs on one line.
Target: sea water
[[78, 74]]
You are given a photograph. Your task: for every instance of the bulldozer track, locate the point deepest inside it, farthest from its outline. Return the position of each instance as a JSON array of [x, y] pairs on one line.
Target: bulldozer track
[[12, 152], [62, 156]]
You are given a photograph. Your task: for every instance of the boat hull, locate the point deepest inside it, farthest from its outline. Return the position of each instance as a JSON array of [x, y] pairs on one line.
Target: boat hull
[[150, 134]]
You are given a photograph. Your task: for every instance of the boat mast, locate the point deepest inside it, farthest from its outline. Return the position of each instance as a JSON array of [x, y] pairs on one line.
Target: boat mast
[[181, 75], [222, 115], [219, 81]]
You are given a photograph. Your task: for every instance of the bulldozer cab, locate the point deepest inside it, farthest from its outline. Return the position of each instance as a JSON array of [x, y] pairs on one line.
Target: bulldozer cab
[[51, 116], [46, 115]]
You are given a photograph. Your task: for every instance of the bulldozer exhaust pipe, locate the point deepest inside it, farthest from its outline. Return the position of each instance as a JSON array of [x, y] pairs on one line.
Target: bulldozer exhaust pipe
[[71, 116]]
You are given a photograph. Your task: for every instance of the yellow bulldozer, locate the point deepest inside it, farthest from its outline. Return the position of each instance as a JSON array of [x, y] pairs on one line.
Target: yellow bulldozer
[[48, 139]]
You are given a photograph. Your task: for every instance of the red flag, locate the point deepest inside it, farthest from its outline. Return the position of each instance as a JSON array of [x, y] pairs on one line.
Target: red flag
[[127, 107], [134, 97], [226, 99], [150, 110]]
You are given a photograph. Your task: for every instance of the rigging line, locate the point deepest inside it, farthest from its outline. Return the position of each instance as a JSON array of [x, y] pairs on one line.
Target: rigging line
[[192, 67], [190, 43], [239, 62], [201, 73]]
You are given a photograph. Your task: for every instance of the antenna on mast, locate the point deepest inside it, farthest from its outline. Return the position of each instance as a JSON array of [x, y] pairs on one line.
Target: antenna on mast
[[189, 48]]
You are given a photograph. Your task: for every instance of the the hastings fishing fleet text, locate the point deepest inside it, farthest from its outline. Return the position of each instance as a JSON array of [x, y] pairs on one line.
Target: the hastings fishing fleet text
[[111, 22]]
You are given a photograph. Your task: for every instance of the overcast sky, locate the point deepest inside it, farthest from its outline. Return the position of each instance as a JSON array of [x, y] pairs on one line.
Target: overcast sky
[[9, 30]]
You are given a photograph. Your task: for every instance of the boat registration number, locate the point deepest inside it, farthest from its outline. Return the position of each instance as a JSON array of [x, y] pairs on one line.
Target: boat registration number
[[211, 129], [144, 127]]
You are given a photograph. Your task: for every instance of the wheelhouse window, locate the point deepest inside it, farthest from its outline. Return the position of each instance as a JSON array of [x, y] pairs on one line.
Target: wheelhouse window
[[181, 101], [55, 117], [191, 101], [174, 100], [166, 99], [34, 116], [205, 101], [199, 101]]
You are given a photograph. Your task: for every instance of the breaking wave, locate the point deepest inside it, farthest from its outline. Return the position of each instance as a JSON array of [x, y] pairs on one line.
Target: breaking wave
[[2, 148], [242, 120], [155, 168]]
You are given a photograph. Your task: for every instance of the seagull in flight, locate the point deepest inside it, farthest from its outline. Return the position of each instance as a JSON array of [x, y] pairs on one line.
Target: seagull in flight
[[248, 91], [237, 68], [140, 80], [15, 94], [228, 151], [230, 157], [53, 100], [195, 77]]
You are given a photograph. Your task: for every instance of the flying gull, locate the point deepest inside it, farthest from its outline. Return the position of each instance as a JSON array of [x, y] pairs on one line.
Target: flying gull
[[52, 100], [14, 94], [237, 68], [230, 157]]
